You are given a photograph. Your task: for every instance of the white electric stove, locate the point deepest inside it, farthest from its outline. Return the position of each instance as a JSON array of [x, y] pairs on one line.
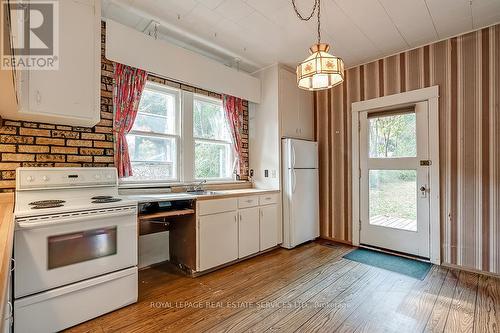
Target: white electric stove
[[75, 247]]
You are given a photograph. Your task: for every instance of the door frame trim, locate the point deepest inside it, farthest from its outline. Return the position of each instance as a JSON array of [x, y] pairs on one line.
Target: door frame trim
[[431, 95]]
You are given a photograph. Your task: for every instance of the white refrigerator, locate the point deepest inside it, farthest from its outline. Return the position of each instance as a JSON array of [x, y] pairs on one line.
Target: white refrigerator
[[300, 192]]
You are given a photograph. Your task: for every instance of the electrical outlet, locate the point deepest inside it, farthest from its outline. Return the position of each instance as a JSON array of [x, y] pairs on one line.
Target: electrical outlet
[[266, 173], [273, 173]]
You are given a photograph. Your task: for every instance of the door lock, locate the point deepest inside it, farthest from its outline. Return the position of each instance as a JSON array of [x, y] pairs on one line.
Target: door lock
[[423, 191]]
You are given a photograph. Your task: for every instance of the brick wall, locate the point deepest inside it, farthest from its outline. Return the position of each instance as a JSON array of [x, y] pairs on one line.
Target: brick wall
[[32, 144]]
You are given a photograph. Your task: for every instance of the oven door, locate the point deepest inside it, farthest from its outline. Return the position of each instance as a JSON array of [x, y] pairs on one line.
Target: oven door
[[60, 250]]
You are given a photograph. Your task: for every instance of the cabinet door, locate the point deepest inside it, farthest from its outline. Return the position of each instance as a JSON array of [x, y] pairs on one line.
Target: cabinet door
[[288, 104], [218, 236], [69, 95], [268, 226], [248, 232], [306, 114]]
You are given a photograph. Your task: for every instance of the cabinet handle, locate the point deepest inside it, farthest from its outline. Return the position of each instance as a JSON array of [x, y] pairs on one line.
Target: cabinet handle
[[241, 218], [235, 219]]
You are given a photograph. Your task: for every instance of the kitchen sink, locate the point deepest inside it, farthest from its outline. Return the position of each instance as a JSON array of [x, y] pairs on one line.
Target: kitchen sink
[[202, 192]]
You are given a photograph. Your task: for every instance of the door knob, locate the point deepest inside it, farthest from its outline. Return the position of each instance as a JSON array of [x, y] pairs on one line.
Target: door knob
[[423, 189]]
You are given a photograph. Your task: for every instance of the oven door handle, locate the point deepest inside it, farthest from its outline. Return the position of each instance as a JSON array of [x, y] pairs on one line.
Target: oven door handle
[[31, 225]]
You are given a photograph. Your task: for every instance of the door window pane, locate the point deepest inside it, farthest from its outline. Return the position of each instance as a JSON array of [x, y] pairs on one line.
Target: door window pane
[[393, 198], [392, 136], [212, 160]]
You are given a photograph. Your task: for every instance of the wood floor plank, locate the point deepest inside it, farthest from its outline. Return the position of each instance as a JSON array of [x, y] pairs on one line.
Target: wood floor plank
[[258, 298], [409, 313], [437, 319], [160, 281], [242, 320], [383, 300], [461, 315], [309, 302], [487, 318], [319, 292], [211, 291], [334, 304]]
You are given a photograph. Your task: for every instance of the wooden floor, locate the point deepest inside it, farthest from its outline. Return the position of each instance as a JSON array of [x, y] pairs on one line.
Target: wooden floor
[[307, 289]]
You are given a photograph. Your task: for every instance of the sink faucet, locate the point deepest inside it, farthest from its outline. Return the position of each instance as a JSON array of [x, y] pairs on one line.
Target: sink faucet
[[197, 187]]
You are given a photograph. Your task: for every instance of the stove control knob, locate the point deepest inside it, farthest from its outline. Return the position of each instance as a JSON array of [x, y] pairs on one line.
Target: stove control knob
[[30, 179], [45, 178]]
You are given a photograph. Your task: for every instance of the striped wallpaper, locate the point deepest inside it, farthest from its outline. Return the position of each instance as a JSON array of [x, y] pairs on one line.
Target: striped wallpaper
[[467, 70]]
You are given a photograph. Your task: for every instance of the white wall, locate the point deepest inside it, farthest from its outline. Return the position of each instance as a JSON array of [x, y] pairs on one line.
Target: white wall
[[130, 47], [264, 131], [153, 248]]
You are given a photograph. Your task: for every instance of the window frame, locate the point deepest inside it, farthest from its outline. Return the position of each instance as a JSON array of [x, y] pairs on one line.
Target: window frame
[[185, 141], [231, 157], [154, 86]]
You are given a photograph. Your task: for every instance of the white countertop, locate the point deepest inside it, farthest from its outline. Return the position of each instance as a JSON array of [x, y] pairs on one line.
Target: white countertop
[[172, 196]]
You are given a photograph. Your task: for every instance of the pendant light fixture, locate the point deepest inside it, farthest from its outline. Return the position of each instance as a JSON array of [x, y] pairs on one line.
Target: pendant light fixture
[[320, 70]]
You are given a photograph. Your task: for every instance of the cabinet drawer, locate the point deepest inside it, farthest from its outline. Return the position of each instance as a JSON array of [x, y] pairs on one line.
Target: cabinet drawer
[[217, 206], [246, 202], [267, 199]]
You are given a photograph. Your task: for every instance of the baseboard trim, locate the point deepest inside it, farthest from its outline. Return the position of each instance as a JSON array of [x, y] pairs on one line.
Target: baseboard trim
[[329, 239], [470, 270]]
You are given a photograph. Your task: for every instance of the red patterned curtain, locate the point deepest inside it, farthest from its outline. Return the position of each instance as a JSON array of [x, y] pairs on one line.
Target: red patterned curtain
[[233, 108], [129, 84]]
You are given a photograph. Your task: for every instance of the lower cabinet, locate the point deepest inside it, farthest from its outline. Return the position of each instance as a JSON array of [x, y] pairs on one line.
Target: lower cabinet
[[218, 239], [234, 228], [248, 233], [268, 226]]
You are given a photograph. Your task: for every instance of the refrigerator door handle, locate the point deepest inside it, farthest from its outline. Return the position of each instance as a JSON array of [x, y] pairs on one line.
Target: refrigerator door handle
[[293, 155], [294, 181]]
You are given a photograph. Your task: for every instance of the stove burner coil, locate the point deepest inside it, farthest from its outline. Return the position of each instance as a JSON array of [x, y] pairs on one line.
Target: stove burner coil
[[51, 205], [107, 200], [47, 202]]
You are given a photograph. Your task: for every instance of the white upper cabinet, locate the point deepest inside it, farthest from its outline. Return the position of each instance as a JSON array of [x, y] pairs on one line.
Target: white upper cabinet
[[306, 114], [71, 94], [296, 107]]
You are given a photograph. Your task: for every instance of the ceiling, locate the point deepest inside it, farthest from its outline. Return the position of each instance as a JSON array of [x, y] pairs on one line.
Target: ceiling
[[251, 34]]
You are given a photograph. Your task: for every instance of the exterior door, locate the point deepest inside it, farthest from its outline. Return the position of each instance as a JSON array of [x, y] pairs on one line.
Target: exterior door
[[394, 193]]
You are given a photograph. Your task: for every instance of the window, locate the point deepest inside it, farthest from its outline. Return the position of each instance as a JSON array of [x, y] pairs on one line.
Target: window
[[154, 138], [179, 136], [213, 151]]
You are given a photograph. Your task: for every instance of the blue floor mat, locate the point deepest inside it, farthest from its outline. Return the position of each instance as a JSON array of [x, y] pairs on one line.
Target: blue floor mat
[[414, 268]]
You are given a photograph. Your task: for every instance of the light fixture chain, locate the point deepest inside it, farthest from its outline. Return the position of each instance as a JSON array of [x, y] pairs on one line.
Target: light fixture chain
[[317, 5], [319, 21], [300, 15]]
